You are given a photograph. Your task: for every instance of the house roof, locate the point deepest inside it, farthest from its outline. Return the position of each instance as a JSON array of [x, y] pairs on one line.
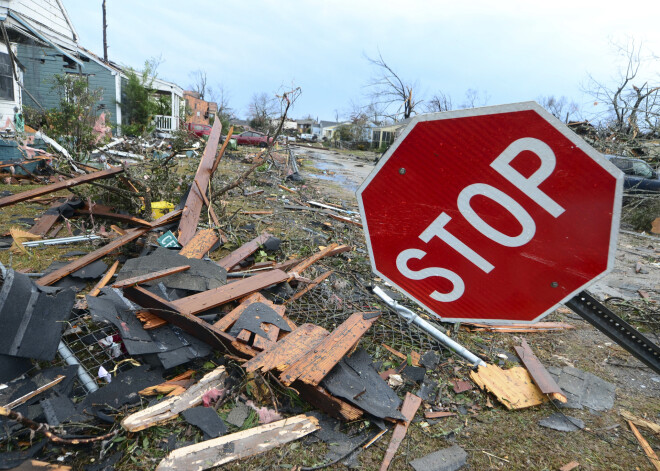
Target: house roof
[[325, 124], [397, 125], [306, 121]]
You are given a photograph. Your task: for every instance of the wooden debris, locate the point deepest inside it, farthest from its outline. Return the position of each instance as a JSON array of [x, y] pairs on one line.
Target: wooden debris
[[243, 251], [346, 220], [206, 300], [36, 392], [239, 445], [44, 190], [514, 387], [104, 281], [34, 465], [655, 226], [57, 275], [652, 426], [106, 212], [136, 280], [409, 408], [644, 294], [200, 244], [288, 189], [289, 350], [512, 328], [332, 249], [314, 366], [171, 387], [653, 458], [569, 466], [46, 221], [414, 356], [170, 408], [317, 281], [438, 415], [539, 374], [193, 207], [256, 212]]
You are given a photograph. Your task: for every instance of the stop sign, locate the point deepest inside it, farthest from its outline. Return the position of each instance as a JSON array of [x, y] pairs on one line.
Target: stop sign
[[491, 215]]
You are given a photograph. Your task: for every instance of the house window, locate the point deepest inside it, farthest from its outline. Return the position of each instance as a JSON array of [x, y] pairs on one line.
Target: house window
[[198, 114], [6, 78]]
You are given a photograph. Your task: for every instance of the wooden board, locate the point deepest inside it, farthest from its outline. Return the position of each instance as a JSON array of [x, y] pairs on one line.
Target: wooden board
[[231, 317], [199, 245], [90, 257], [106, 212], [308, 262], [34, 465], [243, 251], [46, 221], [104, 281], [653, 458], [136, 280], [313, 367], [206, 300], [652, 426], [193, 207], [44, 190], [170, 408], [317, 281], [539, 374], [289, 350], [239, 445], [409, 408], [514, 387]]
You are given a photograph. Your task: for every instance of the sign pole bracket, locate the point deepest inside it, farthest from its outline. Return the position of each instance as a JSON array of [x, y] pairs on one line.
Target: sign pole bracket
[[601, 317]]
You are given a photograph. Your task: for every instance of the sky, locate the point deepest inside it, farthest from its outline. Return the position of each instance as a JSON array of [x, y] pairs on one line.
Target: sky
[[508, 51]]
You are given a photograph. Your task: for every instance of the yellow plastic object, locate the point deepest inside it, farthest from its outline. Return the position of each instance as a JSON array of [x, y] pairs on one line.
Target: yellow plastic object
[[161, 208]]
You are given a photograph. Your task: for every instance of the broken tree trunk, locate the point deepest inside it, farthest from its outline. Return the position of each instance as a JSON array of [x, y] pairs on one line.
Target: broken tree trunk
[[216, 452], [170, 408], [44, 190], [193, 207]]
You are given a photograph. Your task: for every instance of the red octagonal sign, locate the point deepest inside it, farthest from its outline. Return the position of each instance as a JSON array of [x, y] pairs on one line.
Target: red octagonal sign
[[493, 215]]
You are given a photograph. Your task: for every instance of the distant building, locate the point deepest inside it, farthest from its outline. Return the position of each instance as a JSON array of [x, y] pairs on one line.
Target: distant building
[[199, 111], [386, 134]]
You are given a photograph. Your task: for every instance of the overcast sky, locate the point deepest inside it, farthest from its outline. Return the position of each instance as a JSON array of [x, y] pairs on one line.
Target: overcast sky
[[509, 51]]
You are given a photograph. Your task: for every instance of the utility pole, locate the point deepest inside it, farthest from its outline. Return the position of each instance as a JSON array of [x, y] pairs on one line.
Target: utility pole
[[105, 35]]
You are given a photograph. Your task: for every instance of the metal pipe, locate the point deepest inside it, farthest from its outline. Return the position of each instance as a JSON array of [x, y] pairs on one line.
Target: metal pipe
[[63, 240], [70, 359], [413, 318]]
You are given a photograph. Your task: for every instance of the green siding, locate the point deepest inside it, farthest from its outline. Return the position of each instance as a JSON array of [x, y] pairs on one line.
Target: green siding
[[42, 63]]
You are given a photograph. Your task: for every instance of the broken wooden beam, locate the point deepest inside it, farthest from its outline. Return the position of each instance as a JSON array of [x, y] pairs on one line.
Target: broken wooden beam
[[313, 367], [239, 445], [57, 275], [136, 280], [193, 207], [650, 454], [317, 281], [44, 190], [106, 212], [409, 408], [104, 281], [652, 426], [243, 251], [200, 302], [200, 244], [170, 408], [539, 374]]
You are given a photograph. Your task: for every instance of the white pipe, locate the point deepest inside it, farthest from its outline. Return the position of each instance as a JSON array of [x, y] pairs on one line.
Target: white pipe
[[63, 240], [71, 359], [413, 318]]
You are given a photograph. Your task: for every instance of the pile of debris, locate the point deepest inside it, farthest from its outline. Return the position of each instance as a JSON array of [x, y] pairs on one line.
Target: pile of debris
[[171, 333]]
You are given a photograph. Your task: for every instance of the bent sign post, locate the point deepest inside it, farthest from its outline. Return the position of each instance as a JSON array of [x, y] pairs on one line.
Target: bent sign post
[[493, 215]]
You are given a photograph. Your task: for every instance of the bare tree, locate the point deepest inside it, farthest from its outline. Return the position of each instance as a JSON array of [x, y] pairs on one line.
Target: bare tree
[[632, 104], [199, 82], [389, 89], [262, 110], [475, 98], [438, 103], [560, 107]]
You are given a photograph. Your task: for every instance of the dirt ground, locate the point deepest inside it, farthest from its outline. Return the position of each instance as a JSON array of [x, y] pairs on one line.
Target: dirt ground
[[494, 437]]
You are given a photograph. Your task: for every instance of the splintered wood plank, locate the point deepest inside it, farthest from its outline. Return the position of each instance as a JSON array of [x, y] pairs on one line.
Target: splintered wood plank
[[511, 328], [331, 405], [199, 245], [90, 257], [136, 280], [44, 190], [243, 251], [232, 316], [151, 321], [218, 451], [409, 408], [34, 465], [289, 350], [262, 343], [308, 262], [104, 281], [167, 218], [47, 220], [652, 426], [653, 458], [201, 302], [193, 207], [106, 212], [313, 367], [317, 281], [514, 387], [539, 374], [170, 408]]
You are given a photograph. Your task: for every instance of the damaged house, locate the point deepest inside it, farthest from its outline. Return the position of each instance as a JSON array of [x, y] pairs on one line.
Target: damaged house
[[44, 43]]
